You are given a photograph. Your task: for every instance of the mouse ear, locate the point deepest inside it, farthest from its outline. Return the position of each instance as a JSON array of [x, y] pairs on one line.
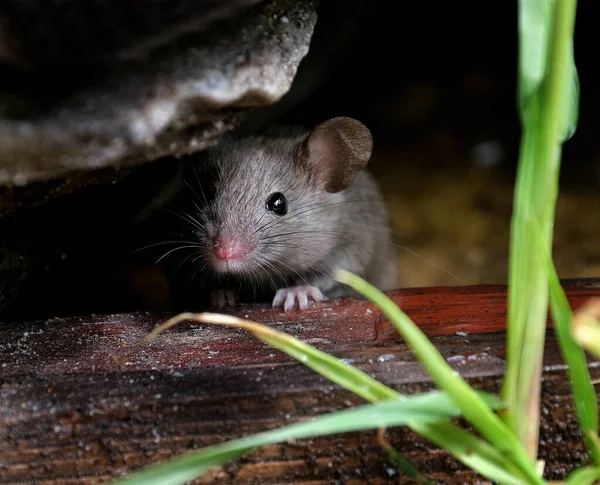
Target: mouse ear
[[337, 150]]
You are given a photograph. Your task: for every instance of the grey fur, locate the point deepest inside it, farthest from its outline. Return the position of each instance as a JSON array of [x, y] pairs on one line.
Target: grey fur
[[320, 233]]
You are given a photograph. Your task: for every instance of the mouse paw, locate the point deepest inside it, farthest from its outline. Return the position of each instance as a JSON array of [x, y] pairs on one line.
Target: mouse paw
[[223, 298], [297, 296]]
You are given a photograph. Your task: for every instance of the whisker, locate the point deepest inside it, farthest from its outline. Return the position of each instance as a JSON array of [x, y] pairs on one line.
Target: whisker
[[173, 250], [195, 203], [275, 269], [187, 218], [162, 243], [299, 211], [292, 270], [294, 235], [291, 233], [199, 183], [187, 258], [195, 194], [426, 260], [256, 230], [201, 266]]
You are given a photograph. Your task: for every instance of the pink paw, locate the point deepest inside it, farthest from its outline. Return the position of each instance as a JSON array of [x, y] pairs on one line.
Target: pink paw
[[223, 298], [297, 296]]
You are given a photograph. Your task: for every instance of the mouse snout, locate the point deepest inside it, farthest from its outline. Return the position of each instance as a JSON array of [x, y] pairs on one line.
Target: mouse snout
[[226, 249]]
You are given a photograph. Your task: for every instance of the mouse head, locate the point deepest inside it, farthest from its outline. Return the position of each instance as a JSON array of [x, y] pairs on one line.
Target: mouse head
[[273, 202]]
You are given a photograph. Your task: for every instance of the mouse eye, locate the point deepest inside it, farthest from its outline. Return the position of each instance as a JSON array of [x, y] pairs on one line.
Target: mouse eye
[[276, 203]]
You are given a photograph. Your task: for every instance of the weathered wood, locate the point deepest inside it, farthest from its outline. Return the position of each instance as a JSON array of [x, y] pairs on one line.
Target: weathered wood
[[70, 415]]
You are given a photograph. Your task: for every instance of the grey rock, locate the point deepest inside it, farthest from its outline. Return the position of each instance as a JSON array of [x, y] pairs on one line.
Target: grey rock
[[45, 34], [174, 103]]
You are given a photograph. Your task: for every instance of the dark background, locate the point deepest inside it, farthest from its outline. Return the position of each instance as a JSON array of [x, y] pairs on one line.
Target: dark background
[[436, 84]]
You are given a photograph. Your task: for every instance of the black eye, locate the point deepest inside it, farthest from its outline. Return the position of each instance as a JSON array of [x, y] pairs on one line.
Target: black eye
[[276, 203]]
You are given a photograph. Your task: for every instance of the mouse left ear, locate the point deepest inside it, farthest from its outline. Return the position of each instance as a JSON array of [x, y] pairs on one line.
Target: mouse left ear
[[336, 151]]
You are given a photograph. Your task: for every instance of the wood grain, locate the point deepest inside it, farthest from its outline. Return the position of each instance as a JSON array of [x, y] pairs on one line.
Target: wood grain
[[70, 415]]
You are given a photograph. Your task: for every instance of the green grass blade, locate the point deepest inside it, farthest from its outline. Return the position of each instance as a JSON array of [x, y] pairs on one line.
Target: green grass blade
[[572, 103], [399, 459], [584, 394], [534, 35], [549, 109], [473, 452], [490, 463], [562, 85], [336, 370], [583, 476], [402, 463], [527, 293], [476, 411], [423, 408]]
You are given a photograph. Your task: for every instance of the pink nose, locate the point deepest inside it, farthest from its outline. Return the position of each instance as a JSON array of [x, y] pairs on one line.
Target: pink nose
[[226, 249]]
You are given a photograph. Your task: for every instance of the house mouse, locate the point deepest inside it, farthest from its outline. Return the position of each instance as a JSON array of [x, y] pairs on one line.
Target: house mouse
[[273, 216]]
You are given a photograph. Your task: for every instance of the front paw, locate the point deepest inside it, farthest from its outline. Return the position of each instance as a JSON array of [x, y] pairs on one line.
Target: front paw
[[297, 296], [223, 298]]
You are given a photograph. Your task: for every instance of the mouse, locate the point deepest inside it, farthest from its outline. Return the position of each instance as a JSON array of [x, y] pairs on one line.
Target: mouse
[[271, 217]]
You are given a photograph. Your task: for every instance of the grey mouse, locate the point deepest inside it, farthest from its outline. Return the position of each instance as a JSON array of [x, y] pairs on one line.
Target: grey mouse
[[279, 213]]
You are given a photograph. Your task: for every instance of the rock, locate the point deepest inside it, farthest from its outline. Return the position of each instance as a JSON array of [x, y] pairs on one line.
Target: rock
[[45, 35], [177, 101]]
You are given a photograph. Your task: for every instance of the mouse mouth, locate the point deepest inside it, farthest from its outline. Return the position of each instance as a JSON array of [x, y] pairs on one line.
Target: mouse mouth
[[229, 267], [229, 255]]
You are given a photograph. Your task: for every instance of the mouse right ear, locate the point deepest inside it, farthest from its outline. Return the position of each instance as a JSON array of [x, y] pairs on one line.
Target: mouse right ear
[[336, 151]]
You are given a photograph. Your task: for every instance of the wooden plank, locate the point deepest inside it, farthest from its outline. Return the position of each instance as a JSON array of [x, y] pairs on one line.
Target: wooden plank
[[69, 414]]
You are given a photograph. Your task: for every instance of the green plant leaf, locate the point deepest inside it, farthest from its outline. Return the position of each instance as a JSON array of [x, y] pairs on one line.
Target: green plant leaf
[[535, 21], [583, 476], [423, 408], [338, 371], [571, 110], [473, 452], [478, 455], [584, 394], [527, 288], [399, 459], [475, 410], [549, 98]]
